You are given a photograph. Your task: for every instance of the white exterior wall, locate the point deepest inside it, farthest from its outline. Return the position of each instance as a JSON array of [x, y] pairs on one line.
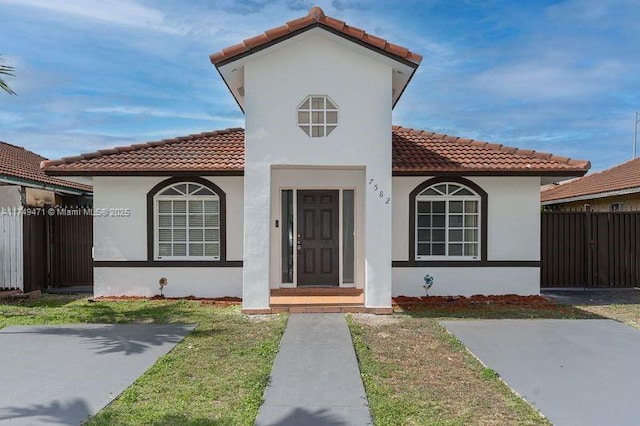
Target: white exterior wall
[[181, 282], [125, 239], [276, 82], [523, 281], [513, 232]]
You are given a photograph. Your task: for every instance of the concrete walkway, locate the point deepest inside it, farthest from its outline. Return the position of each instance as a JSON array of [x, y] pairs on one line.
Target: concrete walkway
[[577, 372], [62, 375], [315, 378]]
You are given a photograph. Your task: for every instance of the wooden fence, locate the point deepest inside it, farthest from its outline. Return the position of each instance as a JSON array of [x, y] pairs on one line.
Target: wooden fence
[[57, 251], [11, 255], [590, 249]]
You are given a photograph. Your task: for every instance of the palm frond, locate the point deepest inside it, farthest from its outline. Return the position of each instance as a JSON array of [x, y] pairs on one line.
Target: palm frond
[[6, 70]]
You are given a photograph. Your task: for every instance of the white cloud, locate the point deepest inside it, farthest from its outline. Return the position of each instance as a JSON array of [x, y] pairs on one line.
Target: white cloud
[[548, 79], [152, 112], [119, 12]]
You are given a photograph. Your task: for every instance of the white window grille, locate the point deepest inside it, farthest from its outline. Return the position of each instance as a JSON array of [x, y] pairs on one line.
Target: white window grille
[[318, 116], [187, 223]]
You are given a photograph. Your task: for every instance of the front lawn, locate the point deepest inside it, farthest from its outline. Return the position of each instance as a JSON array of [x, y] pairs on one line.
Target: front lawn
[[416, 373], [216, 375]]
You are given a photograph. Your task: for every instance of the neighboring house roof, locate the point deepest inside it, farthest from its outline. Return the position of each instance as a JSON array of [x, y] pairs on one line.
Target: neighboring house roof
[[22, 167], [619, 180], [222, 152], [315, 17]]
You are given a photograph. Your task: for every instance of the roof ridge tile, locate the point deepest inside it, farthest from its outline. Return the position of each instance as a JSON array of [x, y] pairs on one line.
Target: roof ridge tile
[[315, 16]]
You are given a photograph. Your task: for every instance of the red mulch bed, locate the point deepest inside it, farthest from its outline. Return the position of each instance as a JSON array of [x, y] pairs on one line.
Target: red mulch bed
[[410, 303], [216, 301]]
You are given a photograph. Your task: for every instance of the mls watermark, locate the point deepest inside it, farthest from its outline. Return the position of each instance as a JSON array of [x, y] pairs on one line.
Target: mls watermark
[[65, 211]]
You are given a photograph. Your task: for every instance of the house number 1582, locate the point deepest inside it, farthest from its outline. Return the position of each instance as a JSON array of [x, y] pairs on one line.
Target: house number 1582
[[380, 191]]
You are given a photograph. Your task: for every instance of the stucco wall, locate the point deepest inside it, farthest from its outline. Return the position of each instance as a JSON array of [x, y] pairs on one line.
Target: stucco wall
[[276, 82], [125, 239], [513, 232], [514, 216], [181, 282], [523, 281]]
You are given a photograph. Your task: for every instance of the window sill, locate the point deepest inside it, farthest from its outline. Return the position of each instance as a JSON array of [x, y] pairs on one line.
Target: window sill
[[448, 258], [186, 259], [168, 263]]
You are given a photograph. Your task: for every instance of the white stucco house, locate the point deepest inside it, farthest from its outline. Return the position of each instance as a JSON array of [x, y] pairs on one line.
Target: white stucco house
[[319, 189]]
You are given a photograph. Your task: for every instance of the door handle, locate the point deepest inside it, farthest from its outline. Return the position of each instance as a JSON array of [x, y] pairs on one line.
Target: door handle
[[299, 243]]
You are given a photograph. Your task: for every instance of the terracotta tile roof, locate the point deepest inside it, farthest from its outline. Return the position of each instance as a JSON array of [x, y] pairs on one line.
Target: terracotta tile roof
[[414, 151], [315, 17], [217, 151], [623, 177], [17, 162], [420, 151]]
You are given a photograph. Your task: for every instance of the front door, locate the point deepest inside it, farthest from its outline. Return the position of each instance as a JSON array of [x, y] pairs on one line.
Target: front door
[[318, 245]]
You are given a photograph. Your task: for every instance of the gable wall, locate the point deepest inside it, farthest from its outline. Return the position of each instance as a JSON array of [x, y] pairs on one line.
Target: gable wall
[[316, 63]]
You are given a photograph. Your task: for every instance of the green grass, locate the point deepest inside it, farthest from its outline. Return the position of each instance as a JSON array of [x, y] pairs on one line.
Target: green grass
[[416, 373], [216, 375]]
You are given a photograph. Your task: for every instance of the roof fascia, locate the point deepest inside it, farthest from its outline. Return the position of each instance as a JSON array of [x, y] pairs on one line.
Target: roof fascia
[[45, 186], [593, 196]]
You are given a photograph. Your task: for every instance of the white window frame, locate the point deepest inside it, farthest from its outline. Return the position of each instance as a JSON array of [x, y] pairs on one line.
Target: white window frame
[[447, 199], [310, 125], [186, 198]]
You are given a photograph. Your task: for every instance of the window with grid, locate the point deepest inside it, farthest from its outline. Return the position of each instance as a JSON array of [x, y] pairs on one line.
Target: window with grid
[[187, 222], [447, 223], [318, 116]]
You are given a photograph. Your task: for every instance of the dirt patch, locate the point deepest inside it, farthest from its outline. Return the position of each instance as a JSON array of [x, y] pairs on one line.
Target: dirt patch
[[375, 320], [401, 303], [216, 301]]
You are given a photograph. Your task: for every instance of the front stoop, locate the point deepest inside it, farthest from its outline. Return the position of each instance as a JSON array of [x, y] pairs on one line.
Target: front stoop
[[317, 300], [301, 309]]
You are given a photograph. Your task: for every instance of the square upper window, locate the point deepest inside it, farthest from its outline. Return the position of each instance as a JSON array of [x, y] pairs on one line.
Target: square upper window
[[317, 116]]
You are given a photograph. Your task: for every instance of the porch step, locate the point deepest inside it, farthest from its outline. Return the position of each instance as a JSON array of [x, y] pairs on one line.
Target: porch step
[[315, 309], [317, 291], [315, 300]]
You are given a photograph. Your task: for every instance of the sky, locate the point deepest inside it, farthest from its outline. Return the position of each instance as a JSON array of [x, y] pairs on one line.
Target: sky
[[553, 76]]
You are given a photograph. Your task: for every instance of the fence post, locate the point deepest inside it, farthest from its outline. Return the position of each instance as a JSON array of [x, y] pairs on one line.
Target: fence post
[[589, 231]]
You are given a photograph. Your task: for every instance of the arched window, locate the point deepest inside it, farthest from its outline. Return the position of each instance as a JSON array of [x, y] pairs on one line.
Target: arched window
[[188, 220], [448, 219]]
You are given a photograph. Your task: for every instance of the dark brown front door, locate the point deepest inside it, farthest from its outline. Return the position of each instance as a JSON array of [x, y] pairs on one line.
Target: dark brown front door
[[318, 244]]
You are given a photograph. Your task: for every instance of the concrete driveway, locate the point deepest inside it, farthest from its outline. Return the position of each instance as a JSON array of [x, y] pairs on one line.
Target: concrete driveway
[[576, 372], [61, 375], [595, 297]]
